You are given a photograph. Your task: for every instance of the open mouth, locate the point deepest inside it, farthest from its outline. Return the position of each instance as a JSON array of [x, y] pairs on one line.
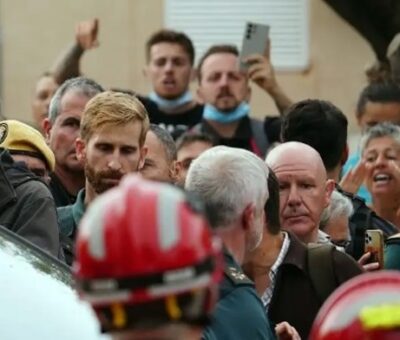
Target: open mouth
[[382, 178], [169, 82]]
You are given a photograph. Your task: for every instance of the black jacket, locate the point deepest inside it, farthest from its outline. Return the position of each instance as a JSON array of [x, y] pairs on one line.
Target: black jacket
[[27, 206]]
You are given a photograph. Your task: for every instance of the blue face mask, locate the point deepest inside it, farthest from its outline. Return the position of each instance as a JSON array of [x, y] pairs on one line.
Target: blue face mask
[[212, 113], [171, 104]]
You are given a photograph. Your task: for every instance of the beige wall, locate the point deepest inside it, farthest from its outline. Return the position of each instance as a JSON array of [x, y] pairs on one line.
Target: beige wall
[[35, 31]]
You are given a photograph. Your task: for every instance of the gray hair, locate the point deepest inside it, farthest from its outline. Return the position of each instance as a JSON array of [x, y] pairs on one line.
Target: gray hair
[[166, 141], [228, 180], [80, 85], [385, 129], [340, 205]]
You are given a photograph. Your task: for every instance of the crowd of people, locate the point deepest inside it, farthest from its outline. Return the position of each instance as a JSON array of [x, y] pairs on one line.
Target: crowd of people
[[183, 217]]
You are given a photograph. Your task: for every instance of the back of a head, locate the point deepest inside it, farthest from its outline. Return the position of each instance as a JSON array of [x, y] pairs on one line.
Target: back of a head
[[80, 85], [145, 253], [228, 180], [190, 137], [385, 92], [166, 140], [321, 125], [366, 307]]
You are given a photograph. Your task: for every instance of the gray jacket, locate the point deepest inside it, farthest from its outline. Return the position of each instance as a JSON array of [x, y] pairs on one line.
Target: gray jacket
[[27, 206]]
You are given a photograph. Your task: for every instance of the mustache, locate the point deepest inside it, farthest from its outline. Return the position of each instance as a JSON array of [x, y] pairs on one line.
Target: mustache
[[224, 93], [110, 174]]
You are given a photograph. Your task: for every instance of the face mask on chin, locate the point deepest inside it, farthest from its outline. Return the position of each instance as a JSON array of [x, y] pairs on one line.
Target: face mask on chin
[[212, 113], [171, 104]]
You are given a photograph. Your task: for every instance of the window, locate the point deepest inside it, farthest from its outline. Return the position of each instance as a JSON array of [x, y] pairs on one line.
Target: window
[[222, 21]]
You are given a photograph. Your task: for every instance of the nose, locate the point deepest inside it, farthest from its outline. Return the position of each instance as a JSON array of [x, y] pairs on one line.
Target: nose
[[381, 161], [169, 66], [114, 162], [294, 198], [224, 80]]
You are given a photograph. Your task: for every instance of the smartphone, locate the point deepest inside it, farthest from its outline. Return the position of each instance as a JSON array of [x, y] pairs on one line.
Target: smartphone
[[255, 40], [374, 244]]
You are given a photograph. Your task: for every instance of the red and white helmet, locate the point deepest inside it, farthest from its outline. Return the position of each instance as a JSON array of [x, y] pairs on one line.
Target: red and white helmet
[[146, 256], [365, 307]]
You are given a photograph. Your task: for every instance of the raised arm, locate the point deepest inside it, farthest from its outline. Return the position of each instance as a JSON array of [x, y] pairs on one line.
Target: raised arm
[[68, 64]]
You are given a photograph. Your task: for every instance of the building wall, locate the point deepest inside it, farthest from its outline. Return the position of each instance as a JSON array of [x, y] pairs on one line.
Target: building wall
[[36, 31]]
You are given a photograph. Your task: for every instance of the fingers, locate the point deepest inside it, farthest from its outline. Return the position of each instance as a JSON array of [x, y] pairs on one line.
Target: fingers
[[285, 331], [254, 59], [370, 267], [364, 259], [352, 181], [86, 33]]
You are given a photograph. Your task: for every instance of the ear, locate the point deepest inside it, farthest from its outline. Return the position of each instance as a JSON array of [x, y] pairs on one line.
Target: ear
[[345, 155], [329, 187], [199, 93], [173, 171], [46, 127], [80, 148], [143, 153], [248, 217]]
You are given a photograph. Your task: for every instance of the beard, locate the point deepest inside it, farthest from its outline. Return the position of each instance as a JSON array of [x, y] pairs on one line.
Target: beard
[[99, 180]]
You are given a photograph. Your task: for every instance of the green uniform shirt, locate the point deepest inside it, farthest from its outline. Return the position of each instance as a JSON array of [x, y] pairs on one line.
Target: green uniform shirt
[[239, 313], [70, 215]]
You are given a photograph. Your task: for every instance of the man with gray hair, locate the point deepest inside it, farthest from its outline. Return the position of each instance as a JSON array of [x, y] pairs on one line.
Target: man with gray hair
[[159, 164], [233, 184], [61, 130], [335, 219]]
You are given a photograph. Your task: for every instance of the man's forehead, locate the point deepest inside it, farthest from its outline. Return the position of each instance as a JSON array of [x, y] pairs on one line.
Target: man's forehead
[[221, 61], [162, 49]]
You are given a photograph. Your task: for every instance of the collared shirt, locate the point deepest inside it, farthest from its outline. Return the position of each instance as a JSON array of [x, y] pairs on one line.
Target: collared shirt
[[61, 196], [70, 215], [266, 297]]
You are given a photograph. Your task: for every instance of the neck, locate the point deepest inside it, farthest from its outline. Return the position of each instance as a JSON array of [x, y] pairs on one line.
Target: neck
[[72, 181], [90, 194], [225, 130], [388, 209], [234, 241], [260, 261]]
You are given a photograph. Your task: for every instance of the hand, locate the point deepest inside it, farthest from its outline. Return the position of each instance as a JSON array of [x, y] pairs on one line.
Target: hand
[[285, 331], [368, 267], [86, 34], [261, 70], [352, 181]]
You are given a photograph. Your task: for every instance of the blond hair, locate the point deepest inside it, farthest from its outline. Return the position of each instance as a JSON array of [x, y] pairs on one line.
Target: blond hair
[[113, 108]]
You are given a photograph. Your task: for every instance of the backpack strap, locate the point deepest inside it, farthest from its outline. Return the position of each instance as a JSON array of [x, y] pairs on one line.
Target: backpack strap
[[260, 138], [320, 269]]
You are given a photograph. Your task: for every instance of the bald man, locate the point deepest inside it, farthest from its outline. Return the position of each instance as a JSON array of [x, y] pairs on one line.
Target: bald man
[[304, 188]]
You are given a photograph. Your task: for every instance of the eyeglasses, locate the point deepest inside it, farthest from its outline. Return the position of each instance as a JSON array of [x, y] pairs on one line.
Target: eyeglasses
[[341, 243]]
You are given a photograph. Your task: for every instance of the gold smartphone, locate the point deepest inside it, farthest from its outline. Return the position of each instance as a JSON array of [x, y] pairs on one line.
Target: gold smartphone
[[374, 244]]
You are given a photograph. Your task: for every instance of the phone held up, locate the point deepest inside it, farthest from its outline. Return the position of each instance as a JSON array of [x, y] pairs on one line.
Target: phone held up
[[374, 244], [255, 41]]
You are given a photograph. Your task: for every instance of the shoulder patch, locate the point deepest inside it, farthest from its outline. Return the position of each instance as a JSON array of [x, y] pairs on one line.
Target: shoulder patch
[[237, 276], [3, 132]]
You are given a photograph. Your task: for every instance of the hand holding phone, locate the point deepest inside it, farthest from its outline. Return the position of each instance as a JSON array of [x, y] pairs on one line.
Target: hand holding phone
[[374, 245], [255, 41]]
